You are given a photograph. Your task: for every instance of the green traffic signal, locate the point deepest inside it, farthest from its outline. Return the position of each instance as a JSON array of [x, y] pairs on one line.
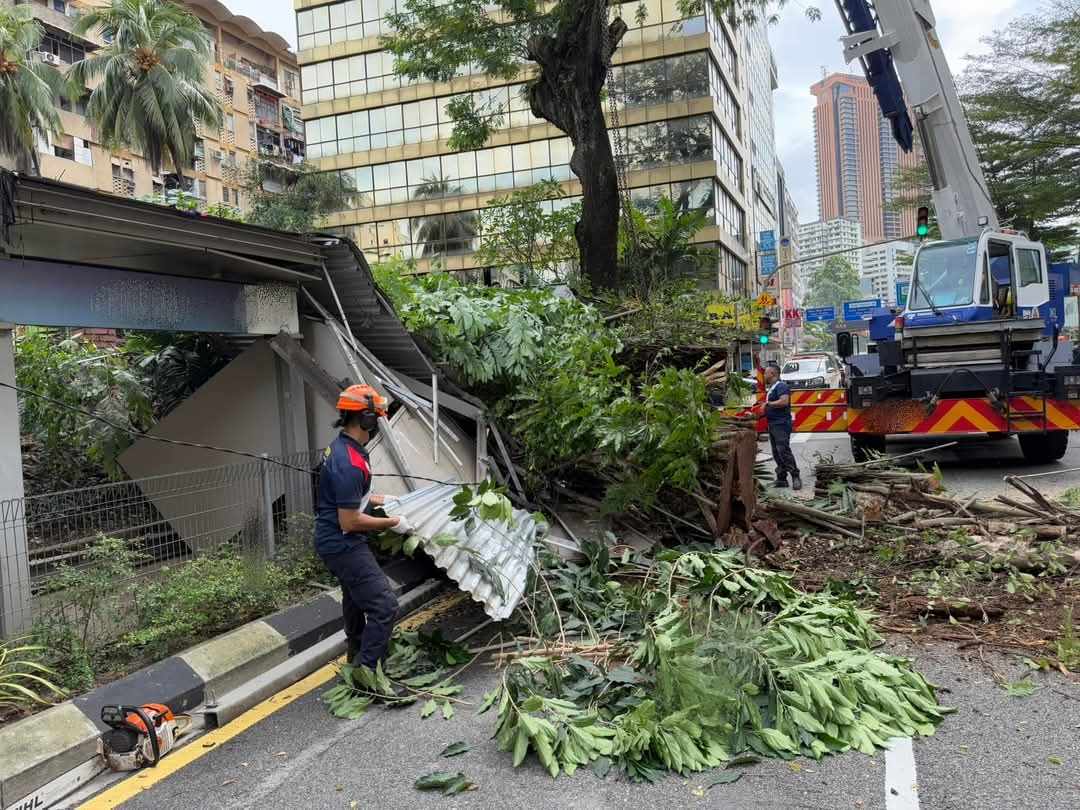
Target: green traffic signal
[[764, 339], [922, 230]]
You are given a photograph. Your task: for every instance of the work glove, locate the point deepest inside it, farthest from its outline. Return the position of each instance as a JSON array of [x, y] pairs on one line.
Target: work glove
[[402, 526]]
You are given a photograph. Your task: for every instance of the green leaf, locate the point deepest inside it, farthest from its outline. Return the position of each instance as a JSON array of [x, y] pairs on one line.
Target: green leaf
[[725, 777], [448, 783], [488, 701], [428, 709], [455, 749], [447, 710], [601, 766], [1024, 687]]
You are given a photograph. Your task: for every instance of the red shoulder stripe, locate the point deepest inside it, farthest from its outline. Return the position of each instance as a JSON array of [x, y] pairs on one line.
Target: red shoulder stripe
[[356, 458]]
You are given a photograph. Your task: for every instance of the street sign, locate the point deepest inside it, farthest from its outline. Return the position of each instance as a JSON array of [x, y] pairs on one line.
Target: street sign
[[818, 314], [902, 289], [857, 310], [768, 264], [767, 241], [792, 316], [766, 300]]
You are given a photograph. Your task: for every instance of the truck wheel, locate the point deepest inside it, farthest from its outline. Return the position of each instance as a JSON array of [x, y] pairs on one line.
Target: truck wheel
[[1042, 448], [864, 447]]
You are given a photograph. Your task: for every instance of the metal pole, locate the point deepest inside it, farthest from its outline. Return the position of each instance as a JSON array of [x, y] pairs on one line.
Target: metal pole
[[268, 506], [14, 558], [435, 415], [481, 447]]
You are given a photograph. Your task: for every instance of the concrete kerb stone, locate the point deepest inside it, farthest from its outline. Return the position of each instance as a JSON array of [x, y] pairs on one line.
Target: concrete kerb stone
[[42, 747], [38, 749]]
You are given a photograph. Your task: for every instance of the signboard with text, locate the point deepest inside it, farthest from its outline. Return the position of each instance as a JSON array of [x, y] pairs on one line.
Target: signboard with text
[[857, 310], [820, 314], [767, 241], [768, 264]]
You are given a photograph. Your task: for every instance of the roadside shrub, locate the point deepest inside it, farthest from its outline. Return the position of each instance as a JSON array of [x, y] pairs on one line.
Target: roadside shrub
[[23, 680], [296, 553], [62, 650], [200, 598]]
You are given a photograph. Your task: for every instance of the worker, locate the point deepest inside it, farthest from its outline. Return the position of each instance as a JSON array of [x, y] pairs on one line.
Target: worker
[[777, 411], [343, 521]]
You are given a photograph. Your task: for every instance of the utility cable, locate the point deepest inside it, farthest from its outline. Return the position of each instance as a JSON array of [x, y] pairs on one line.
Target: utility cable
[[200, 446]]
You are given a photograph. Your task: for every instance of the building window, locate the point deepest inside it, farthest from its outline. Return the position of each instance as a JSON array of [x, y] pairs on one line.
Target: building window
[[60, 6], [230, 123], [123, 180], [64, 147], [62, 48], [291, 82]]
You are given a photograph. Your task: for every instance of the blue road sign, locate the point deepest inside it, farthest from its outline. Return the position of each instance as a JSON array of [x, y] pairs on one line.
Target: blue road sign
[[768, 264], [767, 240], [902, 290], [818, 314], [857, 310]]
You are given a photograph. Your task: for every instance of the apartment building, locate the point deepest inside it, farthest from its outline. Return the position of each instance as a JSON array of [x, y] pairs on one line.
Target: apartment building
[[678, 85], [884, 266], [818, 238], [252, 72], [858, 159]]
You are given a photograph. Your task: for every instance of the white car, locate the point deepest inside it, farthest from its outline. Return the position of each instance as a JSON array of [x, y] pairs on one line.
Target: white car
[[812, 371]]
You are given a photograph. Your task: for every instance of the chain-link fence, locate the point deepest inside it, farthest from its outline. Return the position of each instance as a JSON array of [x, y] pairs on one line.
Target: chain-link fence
[[167, 518]]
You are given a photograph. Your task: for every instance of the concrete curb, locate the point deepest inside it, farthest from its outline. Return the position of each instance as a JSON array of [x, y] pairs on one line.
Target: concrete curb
[[39, 749]]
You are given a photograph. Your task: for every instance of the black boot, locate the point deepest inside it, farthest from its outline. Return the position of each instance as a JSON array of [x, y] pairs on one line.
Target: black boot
[[352, 653], [781, 483], [796, 482]]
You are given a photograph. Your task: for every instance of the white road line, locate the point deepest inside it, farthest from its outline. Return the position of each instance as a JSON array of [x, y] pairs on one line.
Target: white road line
[[901, 782]]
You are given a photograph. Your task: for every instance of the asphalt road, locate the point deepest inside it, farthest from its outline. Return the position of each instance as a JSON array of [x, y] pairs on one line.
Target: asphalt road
[[973, 465], [997, 751]]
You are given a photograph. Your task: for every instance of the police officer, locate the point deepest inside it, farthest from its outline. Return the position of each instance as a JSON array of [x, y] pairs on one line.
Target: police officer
[[343, 520], [777, 411]]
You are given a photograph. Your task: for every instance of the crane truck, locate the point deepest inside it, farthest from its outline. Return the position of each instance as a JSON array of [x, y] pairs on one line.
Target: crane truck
[[976, 350]]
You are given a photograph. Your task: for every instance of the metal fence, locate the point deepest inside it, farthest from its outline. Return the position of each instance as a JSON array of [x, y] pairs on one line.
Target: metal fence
[[166, 518]]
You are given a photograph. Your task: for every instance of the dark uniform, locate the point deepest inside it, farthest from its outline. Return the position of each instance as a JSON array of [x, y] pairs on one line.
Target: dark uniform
[[779, 420], [368, 602]]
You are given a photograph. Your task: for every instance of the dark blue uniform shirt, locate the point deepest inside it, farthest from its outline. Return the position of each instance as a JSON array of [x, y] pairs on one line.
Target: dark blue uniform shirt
[[778, 416], [344, 480]]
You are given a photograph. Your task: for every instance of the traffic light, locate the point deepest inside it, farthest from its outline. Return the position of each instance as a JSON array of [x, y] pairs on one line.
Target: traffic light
[[764, 330], [922, 228]]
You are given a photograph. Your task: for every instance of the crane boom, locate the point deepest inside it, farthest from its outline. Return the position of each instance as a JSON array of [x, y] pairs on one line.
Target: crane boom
[[893, 37]]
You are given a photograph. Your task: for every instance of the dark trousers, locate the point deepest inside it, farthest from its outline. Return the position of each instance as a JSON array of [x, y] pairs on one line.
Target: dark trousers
[[368, 602], [780, 439]]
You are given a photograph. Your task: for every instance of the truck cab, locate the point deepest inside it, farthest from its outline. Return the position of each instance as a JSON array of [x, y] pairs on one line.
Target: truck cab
[[995, 276]]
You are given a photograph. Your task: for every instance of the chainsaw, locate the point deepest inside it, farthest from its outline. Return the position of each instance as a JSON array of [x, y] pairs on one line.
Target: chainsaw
[[139, 736]]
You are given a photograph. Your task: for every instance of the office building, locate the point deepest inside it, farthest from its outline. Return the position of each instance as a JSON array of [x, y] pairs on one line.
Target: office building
[[818, 238], [761, 82], [254, 75], [858, 160], [885, 266], [680, 93]]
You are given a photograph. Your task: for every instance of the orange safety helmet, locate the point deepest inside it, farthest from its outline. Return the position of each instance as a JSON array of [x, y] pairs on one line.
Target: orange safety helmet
[[362, 398]]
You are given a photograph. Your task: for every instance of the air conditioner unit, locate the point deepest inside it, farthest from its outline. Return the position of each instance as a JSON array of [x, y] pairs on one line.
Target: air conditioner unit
[[50, 58]]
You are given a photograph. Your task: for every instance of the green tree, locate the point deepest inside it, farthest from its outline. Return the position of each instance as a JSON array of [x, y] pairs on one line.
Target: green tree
[[834, 282], [1020, 96], [656, 250], [28, 88], [293, 198], [147, 81], [523, 232], [443, 234], [569, 44]]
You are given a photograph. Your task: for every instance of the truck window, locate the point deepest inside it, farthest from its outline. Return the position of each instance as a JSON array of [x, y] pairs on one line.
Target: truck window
[[945, 275], [1029, 267]]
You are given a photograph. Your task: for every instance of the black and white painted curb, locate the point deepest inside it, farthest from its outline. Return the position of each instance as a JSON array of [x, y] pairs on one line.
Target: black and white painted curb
[[62, 740]]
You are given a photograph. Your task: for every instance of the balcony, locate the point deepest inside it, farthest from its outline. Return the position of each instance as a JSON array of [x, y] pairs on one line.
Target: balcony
[[260, 79]]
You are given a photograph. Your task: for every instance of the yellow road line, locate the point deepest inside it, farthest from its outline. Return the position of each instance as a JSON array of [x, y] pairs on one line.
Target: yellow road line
[[182, 757]]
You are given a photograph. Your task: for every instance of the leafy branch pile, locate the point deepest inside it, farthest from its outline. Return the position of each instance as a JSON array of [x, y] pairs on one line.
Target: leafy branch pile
[[684, 660], [600, 407], [999, 572]]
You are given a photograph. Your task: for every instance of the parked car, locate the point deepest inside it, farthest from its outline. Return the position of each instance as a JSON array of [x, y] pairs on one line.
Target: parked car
[[817, 370]]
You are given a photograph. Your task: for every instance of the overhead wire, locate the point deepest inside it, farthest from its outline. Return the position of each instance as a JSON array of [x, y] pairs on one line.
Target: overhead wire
[[203, 446]]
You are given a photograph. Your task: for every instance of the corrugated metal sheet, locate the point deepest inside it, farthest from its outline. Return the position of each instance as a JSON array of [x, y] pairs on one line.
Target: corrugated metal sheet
[[370, 317], [492, 562]]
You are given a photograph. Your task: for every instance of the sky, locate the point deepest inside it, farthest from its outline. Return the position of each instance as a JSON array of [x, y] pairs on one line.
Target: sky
[[802, 49]]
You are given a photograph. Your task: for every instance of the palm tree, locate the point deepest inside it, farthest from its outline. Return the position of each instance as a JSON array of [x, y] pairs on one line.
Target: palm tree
[[28, 88], [148, 80], [444, 233]]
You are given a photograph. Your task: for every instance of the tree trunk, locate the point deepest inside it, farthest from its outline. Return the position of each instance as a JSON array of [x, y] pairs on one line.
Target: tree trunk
[[573, 68]]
